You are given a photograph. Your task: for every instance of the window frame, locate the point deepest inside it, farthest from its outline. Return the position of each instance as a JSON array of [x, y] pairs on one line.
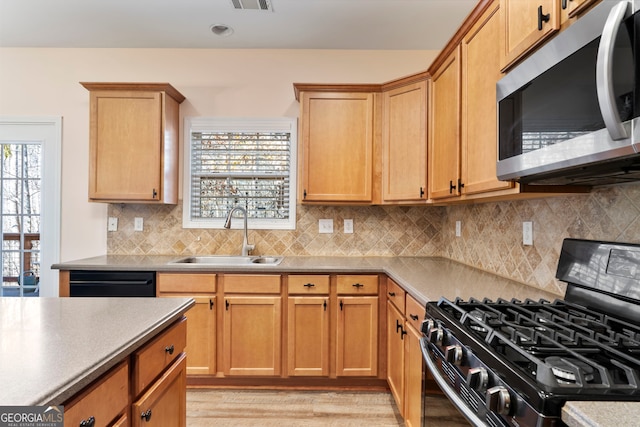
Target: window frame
[[240, 124]]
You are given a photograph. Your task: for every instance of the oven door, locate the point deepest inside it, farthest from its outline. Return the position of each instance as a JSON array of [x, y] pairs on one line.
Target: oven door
[[572, 103]]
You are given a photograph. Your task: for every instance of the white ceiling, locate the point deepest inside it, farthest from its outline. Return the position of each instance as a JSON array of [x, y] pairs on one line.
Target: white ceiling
[[293, 24]]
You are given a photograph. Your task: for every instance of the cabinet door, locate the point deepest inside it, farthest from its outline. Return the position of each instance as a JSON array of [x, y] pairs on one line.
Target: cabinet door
[[524, 29], [572, 8], [337, 146], [480, 72], [395, 354], [444, 129], [413, 374], [165, 403], [252, 332], [308, 336], [125, 145], [357, 336], [404, 143]]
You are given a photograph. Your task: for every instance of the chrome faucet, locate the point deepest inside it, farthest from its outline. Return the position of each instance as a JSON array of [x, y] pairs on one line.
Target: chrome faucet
[[246, 247]]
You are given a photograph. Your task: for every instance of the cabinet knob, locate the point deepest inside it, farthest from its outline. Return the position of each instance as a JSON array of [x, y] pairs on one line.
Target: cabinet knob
[[542, 17], [169, 349], [146, 415], [89, 422]]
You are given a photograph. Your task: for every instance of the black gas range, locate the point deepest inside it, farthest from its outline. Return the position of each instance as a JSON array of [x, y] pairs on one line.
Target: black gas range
[[516, 363]]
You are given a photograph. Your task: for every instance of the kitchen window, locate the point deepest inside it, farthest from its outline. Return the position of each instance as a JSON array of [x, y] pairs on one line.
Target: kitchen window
[[240, 162]]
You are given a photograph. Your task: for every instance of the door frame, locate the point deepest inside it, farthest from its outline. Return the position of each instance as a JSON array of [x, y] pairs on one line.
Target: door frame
[[48, 131]]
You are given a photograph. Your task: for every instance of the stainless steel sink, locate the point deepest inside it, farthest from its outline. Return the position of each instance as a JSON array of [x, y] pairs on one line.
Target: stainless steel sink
[[228, 260]]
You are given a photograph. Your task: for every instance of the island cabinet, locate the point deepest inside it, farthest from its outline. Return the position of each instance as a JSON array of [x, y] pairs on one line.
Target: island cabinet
[[133, 142], [404, 140], [357, 325], [308, 325], [336, 144], [147, 388], [405, 373], [201, 328], [251, 325]]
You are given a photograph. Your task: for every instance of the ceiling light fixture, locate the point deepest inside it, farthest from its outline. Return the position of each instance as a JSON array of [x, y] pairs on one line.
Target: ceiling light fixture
[[221, 30]]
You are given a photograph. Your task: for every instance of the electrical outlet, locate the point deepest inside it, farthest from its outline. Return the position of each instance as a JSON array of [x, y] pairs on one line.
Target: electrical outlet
[[458, 228], [112, 224], [348, 226], [138, 224], [527, 233], [325, 226]]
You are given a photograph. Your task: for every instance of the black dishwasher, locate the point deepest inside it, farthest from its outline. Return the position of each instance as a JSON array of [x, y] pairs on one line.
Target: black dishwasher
[[89, 283]]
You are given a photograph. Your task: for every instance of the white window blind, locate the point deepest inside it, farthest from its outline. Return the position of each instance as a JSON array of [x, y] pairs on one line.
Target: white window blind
[[247, 163]]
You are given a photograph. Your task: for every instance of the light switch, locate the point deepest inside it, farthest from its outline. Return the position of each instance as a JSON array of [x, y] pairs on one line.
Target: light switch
[[112, 224], [527, 233], [138, 224], [348, 226], [458, 228]]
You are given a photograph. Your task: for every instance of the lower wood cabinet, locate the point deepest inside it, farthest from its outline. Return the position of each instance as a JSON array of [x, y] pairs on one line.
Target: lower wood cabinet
[[148, 388], [252, 325]]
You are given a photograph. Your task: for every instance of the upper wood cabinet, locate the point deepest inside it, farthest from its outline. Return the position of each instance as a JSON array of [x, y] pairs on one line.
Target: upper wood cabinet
[[480, 73], [404, 141], [526, 24], [133, 139], [336, 146], [444, 128]]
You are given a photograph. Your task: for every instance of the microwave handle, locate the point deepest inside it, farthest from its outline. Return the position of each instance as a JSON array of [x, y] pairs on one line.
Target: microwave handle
[[604, 72]]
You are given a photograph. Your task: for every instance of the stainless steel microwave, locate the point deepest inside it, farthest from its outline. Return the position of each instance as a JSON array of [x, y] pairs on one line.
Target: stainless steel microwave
[[568, 114]]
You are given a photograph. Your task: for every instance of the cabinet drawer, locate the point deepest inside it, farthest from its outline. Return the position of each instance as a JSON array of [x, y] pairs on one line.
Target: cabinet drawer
[[154, 357], [357, 285], [414, 312], [396, 294], [251, 284], [186, 283], [308, 284], [104, 401]]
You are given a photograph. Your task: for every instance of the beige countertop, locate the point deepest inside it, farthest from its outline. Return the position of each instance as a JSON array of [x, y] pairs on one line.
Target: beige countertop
[[51, 348]]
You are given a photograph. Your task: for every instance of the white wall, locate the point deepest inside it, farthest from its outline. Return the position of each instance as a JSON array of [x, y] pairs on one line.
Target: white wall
[[244, 83]]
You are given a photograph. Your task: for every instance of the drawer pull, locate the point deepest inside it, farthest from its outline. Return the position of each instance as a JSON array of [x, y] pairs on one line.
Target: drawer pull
[[89, 422], [392, 294], [146, 415], [169, 349], [309, 285], [358, 285], [414, 316]]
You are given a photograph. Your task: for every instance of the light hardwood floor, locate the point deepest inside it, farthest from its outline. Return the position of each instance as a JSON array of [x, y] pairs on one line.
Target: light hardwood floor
[[280, 408]]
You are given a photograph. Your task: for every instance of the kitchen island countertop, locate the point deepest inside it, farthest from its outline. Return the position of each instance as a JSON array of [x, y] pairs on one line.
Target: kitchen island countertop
[[51, 348]]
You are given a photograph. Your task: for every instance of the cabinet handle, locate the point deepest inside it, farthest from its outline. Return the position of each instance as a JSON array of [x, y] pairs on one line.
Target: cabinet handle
[[146, 415], [402, 333], [309, 285], [304, 193], [421, 192], [325, 305], [155, 193], [226, 304], [392, 294], [452, 187], [460, 185], [89, 422], [413, 316], [169, 349], [542, 17], [357, 285], [341, 304], [210, 304], [565, 3]]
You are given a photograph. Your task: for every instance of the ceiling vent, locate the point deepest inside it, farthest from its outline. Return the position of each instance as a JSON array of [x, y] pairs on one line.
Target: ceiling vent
[[252, 4]]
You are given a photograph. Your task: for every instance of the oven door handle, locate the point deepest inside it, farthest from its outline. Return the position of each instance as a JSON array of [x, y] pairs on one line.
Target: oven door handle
[[447, 389], [604, 72]]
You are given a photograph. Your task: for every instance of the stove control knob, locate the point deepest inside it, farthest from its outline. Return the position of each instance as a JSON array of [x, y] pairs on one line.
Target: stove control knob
[[436, 335], [427, 325], [453, 354], [499, 400], [477, 378]]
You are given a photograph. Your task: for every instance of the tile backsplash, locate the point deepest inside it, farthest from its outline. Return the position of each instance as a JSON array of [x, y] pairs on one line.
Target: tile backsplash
[[491, 237]]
